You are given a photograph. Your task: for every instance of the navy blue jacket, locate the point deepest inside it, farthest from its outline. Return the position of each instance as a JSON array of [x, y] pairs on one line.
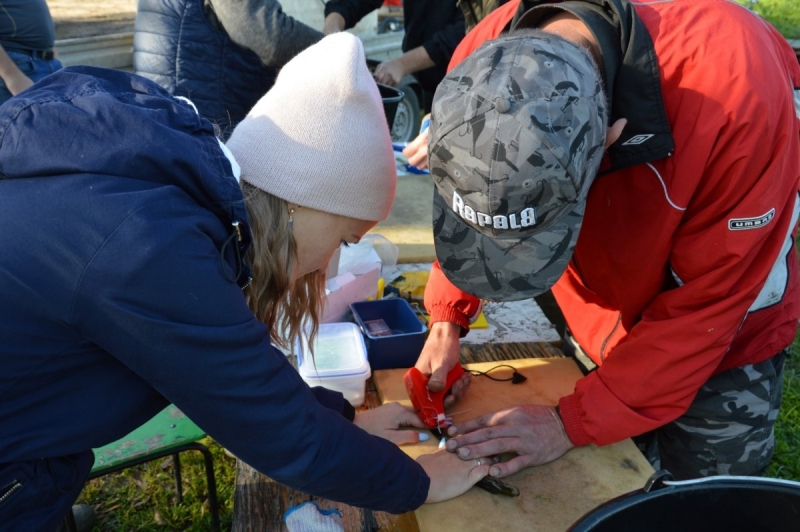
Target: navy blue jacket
[[181, 49], [117, 201]]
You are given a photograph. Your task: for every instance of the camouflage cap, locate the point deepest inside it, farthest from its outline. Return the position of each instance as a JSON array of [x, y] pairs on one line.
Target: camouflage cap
[[516, 137]]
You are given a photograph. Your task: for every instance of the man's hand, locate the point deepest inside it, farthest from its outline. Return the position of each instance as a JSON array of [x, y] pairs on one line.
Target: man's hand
[[534, 432], [417, 151], [390, 72], [388, 422], [439, 355]]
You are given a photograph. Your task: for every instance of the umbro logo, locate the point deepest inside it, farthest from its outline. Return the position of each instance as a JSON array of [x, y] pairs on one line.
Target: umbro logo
[[739, 224], [637, 139]]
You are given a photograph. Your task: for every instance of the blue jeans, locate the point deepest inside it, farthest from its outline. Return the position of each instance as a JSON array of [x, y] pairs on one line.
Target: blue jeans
[[30, 65]]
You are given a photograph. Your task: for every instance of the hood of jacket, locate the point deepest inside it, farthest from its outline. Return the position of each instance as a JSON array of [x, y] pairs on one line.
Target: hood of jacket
[[117, 124]]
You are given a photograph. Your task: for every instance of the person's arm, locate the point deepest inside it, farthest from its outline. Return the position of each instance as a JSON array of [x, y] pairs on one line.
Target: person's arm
[[263, 27], [16, 81], [417, 150], [451, 311], [441, 44], [333, 23], [446, 302], [173, 319], [436, 43], [392, 72], [192, 338], [342, 15]]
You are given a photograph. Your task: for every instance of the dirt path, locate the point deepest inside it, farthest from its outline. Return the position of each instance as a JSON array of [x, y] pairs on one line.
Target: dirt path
[[85, 18]]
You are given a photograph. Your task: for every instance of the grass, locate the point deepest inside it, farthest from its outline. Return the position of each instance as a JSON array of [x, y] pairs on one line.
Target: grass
[[786, 460], [783, 14], [143, 498]]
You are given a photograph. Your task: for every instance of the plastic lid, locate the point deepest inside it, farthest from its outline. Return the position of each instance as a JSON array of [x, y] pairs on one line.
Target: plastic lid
[[339, 350]]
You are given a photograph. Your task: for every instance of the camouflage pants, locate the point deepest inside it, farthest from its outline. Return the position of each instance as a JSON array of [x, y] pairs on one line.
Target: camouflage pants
[[727, 430], [729, 427]]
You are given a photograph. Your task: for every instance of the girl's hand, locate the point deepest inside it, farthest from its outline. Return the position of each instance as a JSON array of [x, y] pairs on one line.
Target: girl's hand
[[451, 476], [389, 421]]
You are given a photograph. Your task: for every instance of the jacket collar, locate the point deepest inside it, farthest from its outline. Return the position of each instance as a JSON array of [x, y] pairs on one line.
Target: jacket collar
[[631, 74]]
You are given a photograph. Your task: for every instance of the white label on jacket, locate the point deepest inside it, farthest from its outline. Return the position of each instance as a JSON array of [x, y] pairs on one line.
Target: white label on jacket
[[740, 224]]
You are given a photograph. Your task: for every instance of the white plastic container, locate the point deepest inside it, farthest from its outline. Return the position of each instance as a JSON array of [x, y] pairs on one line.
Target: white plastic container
[[339, 362]]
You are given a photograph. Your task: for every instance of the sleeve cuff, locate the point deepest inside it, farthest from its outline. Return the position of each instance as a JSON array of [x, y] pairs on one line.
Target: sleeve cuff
[[570, 412], [348, 411], [450, 315]]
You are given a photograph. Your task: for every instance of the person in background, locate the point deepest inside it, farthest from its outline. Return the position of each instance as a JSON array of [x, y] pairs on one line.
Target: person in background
[[27, 51], [151, 264], [223, 54], [432, 32], [477, 10], [671, 254]]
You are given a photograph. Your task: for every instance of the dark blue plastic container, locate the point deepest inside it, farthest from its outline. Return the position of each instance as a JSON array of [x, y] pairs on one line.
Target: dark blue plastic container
[[397, 340]]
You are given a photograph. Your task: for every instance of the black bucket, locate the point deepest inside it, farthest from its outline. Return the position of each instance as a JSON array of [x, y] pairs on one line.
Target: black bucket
[[724, 503], [391, 96], [391, 99]]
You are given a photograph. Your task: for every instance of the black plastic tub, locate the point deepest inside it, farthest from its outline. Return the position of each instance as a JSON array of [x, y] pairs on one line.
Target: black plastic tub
[[391, 98], [724, 503]]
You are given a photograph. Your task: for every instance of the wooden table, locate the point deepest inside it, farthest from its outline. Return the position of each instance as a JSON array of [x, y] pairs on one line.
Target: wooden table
[[259, 503]]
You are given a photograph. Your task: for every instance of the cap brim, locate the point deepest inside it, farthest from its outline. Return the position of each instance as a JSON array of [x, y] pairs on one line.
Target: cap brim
[[500, 269]]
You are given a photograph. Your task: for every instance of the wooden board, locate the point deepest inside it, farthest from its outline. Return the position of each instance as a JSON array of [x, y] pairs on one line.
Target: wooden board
[[553, 496]]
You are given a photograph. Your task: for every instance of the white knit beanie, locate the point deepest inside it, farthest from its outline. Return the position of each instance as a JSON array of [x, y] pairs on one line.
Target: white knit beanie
[[319, 137]]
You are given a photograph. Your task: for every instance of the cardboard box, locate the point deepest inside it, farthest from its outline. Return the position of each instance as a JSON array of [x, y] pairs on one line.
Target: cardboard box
[[358, 284]]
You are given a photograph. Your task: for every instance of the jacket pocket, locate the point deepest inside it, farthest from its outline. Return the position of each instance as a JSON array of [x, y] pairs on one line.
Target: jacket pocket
[[8, 489]]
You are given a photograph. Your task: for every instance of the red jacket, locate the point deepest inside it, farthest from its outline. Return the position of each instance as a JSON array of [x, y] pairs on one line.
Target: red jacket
[[686, 264]]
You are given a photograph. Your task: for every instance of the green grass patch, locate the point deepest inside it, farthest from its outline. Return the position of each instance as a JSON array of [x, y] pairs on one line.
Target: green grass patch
[[783, 14], [786, 460], [143, 498]]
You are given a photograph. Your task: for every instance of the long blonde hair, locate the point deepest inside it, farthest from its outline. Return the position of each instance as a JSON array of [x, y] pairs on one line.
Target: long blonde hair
[[287, 308]]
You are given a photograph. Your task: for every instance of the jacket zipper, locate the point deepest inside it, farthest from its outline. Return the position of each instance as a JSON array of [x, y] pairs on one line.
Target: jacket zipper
[[9, 489], [608, 338], [619, 316]]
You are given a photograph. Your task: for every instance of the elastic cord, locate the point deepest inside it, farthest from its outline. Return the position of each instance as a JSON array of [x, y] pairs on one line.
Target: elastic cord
[[237, 255]]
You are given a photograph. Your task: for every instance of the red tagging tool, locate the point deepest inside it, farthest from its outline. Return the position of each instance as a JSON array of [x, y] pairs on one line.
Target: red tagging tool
[[429, 405]]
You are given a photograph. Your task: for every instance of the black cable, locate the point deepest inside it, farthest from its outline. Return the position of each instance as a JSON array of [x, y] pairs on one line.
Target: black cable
[[515, 378]]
